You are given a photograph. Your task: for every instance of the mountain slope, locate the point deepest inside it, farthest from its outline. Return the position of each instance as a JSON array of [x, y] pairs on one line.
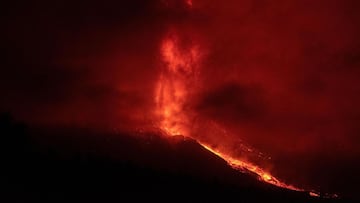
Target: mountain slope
[[63, 164]]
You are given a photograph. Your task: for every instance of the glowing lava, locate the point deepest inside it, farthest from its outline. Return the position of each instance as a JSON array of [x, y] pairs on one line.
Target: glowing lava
[[247, 166]]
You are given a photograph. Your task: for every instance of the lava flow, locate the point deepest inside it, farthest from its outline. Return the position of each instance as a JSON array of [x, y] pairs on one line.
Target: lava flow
[[174, 88], [248, 166]]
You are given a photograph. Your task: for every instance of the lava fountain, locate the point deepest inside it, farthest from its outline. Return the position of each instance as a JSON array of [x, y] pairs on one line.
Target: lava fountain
[[174, 85]]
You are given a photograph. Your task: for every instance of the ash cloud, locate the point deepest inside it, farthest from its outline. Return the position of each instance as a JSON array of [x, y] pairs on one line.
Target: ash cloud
[[233, 103]]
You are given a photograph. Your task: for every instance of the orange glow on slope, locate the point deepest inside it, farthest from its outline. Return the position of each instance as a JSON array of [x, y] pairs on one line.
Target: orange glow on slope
[[313, 194], [249, 167]]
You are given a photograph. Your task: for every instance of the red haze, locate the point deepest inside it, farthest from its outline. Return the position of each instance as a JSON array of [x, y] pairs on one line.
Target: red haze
[[282, 76]]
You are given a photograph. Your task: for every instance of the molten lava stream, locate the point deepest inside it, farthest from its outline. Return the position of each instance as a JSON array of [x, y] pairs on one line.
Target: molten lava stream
[[244, 166]]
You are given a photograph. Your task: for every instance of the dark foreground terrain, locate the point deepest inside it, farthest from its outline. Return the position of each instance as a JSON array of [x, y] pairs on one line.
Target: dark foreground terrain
[[86, 166]]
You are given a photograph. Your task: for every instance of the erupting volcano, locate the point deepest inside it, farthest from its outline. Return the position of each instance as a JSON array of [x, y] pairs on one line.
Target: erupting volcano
[[256, 99], [177, 83]]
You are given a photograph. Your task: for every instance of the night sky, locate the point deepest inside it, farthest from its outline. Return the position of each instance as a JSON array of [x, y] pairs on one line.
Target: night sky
[[281, 75]]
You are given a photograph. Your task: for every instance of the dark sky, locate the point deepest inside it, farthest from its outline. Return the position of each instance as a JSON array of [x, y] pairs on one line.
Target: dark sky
[[283, 75]]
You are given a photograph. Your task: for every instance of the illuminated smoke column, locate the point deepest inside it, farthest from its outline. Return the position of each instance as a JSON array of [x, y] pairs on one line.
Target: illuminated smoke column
[[174, 85]]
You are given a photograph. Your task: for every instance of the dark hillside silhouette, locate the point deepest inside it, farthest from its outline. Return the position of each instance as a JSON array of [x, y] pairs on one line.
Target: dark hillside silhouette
[[79, 164]]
